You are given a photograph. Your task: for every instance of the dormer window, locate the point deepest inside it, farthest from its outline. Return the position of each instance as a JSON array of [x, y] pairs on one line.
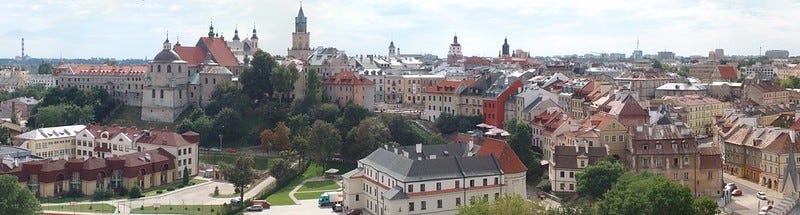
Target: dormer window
[[658, 146], [644, 147]]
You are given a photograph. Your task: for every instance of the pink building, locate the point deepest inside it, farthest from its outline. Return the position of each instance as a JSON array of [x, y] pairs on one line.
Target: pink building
[[347, 86]]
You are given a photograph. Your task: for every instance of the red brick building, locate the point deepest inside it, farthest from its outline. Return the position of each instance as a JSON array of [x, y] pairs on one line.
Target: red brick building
[[495, 100]]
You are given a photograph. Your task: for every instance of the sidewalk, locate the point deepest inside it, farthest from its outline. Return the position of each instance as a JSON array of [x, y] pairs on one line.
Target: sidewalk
[[754, 185]]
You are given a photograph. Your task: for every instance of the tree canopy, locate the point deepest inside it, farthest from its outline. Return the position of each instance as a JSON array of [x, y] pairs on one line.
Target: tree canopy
[[256, 79], [327, 141], [16, 199], [240, 173], [283, 79], [598, 178], [646, 193], [505, 204], [228, 123], [370, 134]]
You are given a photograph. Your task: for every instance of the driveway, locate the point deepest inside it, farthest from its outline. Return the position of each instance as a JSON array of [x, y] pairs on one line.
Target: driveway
[[305, 207]]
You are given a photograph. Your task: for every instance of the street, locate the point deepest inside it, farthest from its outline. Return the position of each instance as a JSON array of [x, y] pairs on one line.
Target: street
[[747, 203], [308, 206]]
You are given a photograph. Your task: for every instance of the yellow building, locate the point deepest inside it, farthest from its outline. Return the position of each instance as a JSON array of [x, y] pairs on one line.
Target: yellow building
[[52, 142], [697, 112]]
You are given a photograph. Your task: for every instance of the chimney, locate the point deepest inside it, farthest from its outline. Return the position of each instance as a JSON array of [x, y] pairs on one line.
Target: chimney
[[419, 148], [577, 148], [639, 128], [586, 146]]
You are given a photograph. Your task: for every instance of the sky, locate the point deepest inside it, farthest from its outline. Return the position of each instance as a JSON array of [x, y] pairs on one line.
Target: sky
[[136, 28]]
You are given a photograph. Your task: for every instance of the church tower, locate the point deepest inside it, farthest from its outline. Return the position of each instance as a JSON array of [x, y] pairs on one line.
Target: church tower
[[454, 54], [254, 40], [392, 50], [301, 47], [506, 50], [165, 92]]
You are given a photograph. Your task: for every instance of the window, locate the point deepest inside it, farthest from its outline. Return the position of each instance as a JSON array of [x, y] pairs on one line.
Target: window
[[685, 176], [486, 197], [496, 180], [710, 175], [571, 186], [357, 197], [458, 201], [471, 183], [439, 203], [410, 206], [422, 205], [685, 161], [675, 176], [658, 146], [485, 182], [571, 174], [162, 94], [562, 174], [644, 147], [621, 138], [613, 138], [410, 188], [422, 188], [438, 186], [458, 184]]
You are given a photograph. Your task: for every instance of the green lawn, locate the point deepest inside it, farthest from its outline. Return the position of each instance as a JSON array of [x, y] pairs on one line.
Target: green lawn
[[154, 190], [179, 209], [261, 163], [309, 195], [314, 169], [420, 130], [319, 185], [94, 208]]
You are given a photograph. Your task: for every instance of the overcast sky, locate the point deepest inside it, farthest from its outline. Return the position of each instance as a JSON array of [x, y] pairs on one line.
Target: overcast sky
[[136, 28]]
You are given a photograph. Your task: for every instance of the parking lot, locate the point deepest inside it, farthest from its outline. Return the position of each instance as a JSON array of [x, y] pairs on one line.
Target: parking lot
[[305, 207]]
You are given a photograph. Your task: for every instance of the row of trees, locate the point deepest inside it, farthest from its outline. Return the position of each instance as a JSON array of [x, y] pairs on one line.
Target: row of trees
[[70, 106]]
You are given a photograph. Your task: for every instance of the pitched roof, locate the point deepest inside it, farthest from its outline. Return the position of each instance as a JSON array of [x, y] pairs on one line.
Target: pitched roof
[[444, 87], [727, 72], [114, 130], [692, 100], [139, 158], [219, 50], [550, 119], [101, 70], [51, 132], [567, 156], [164, 137], [629, 107], [450, 161], [508, 160], [192, 55], [347, 78]]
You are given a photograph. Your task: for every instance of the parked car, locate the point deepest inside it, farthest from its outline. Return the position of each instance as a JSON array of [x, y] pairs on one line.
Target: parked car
[[263, 203], [730, 188], [337, 207], [761, 195], [255, 208], [235, 201], [736, 192]]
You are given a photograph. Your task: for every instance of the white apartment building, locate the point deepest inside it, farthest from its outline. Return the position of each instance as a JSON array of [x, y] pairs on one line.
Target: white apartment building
[[433, 179], [52, 142]]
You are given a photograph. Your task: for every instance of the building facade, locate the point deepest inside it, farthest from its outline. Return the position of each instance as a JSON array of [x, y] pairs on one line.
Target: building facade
[[301, 38], [347, 87], [124, 83]]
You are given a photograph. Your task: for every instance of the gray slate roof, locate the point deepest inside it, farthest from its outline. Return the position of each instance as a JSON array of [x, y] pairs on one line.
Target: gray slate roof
[[417, 167]]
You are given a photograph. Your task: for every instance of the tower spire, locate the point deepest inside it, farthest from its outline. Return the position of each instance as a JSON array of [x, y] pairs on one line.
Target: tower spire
[[211, 29]]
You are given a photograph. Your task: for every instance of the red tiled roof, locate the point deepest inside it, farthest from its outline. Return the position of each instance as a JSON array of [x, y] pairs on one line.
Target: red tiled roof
[[727, 72], [444, 87], [550, 120], [192, 55], [508, 160], [101, 70], [219, 49], [588, 88], [114, 130], [163, 137], [347, 78]]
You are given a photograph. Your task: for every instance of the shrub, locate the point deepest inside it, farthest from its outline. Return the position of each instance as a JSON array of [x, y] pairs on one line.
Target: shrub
[[170, 189], [216, 190], [101, 194], [123, 191], [135, 192], [74, 193], [159, 192], [544, 185]]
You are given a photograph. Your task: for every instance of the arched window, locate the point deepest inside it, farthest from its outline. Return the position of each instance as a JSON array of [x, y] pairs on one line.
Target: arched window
[[169, 68], [159, 68]]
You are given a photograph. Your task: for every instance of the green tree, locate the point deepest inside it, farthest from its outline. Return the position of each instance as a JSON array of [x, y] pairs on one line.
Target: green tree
[[283, 79], [16, 199], [327, 141], [5, 136], [446, 123], [281, 169], [226, 95], [351, 116], [705, 206], [135, 192], [228, 123], [186, 178], [598, 178], [298, 122], [645, 193], [370, 134], [326, 112], [505, 204], [280, 137], [45, 68], [402, 129], [63, 114], [202, 125], [313, 94], [240, 173], [657, 64], [255, 79], [520, 142], [5, 95], [435, 139], [185, 125]]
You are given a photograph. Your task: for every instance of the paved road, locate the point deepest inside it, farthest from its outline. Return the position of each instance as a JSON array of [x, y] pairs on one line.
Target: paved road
[[747, 203], [306, 207], [195, 195]]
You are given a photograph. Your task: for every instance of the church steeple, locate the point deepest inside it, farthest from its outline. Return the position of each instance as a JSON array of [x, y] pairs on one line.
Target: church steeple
[[167, 45], [455, 39], [300, 21], [254, 37], [236, 34], [505, 50], [211, 30]]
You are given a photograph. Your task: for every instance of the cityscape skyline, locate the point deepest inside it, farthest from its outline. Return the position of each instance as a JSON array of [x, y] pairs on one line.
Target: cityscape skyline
[[120, 29]]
